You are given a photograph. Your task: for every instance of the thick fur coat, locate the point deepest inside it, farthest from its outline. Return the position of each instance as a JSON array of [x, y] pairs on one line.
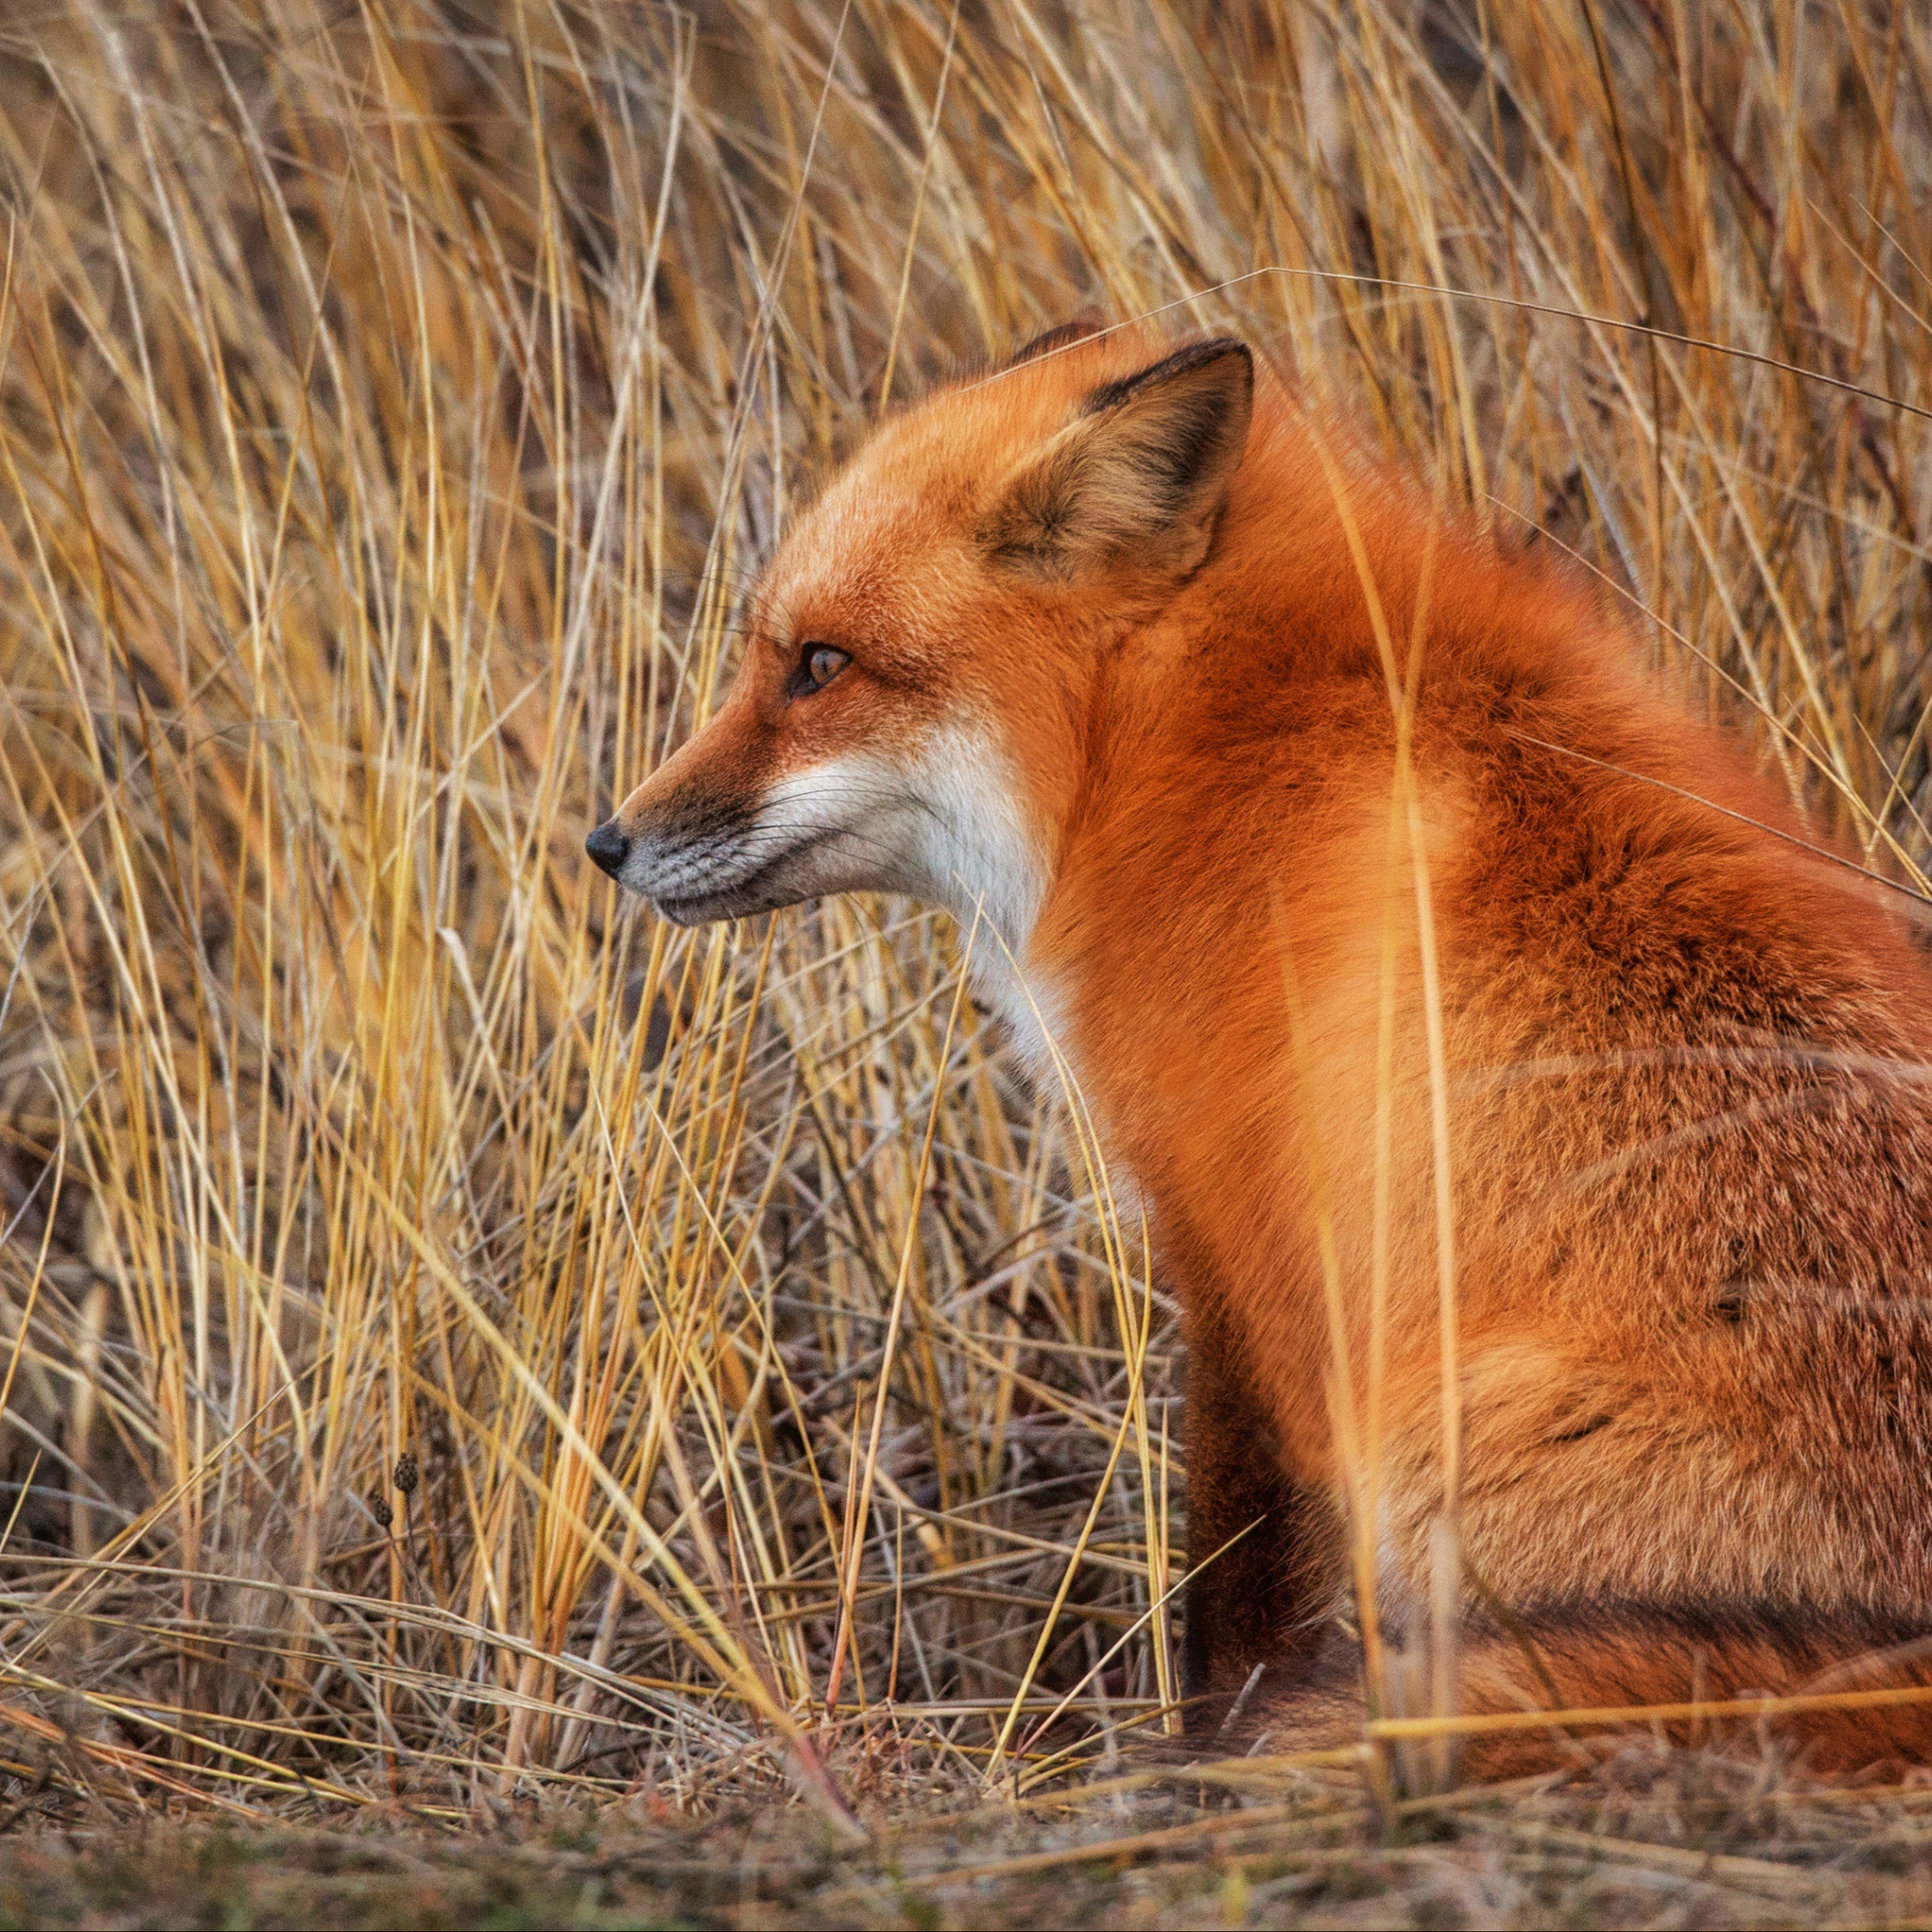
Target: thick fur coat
[[1433, 975]]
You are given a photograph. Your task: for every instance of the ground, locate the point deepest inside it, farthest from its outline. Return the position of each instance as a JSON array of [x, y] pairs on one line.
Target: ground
[[1647, 1840]]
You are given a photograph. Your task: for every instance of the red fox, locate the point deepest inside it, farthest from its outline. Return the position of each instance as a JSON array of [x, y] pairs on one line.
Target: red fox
[[1573, 1032]]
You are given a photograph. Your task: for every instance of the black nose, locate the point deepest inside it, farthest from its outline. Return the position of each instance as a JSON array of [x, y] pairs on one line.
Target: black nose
[[607, 846]]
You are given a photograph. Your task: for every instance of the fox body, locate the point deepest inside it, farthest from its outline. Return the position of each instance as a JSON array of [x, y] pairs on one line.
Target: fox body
[[1386, 912]]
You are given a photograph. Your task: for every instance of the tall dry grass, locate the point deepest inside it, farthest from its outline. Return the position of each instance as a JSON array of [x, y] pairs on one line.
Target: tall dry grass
[[457, 1330]]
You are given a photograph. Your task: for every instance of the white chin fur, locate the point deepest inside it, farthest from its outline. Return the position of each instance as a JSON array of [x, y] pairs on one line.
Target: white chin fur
[[976, 851], [947, 826], [950, 828]]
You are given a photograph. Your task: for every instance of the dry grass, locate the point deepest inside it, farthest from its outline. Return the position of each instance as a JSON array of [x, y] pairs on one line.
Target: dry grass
[[445, 1312]]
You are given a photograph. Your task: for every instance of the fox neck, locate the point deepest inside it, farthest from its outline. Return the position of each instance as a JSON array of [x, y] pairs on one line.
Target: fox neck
[[982, 860], [1024, 805], [985, 862]]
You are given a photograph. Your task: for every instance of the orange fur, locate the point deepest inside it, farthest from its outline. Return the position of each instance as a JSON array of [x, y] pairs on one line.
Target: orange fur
[[1120, 634]]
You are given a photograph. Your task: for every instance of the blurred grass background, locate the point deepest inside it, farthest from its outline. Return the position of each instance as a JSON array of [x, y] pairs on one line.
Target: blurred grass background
[[444, 1313]]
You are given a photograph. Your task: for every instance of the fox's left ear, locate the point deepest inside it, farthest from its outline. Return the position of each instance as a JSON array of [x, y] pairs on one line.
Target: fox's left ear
[[1139, 478]]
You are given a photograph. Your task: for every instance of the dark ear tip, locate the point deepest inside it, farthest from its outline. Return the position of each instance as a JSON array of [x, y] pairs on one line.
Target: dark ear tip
[[1186, 361], [1204, 355], [1231, 348], [1076, 328]]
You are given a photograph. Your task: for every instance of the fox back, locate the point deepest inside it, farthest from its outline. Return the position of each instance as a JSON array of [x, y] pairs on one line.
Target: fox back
[[1531, 1113]]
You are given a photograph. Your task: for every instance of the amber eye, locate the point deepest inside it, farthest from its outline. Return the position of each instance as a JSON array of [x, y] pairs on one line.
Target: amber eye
[[822, 664]]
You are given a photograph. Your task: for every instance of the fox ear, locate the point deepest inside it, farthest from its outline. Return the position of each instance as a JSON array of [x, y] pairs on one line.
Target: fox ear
[[1075, 329], [1139, 477]]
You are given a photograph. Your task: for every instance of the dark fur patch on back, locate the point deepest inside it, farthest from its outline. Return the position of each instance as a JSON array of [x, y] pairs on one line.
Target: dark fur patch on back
[[1801, 1629]]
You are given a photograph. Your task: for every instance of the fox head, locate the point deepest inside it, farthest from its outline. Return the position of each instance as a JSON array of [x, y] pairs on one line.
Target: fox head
[[922, 649]]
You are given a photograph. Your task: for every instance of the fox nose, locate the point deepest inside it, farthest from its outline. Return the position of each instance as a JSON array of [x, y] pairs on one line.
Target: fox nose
[[607, 846]]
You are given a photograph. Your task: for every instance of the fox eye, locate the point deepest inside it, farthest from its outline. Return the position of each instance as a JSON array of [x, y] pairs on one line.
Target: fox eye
[[821, 664]]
